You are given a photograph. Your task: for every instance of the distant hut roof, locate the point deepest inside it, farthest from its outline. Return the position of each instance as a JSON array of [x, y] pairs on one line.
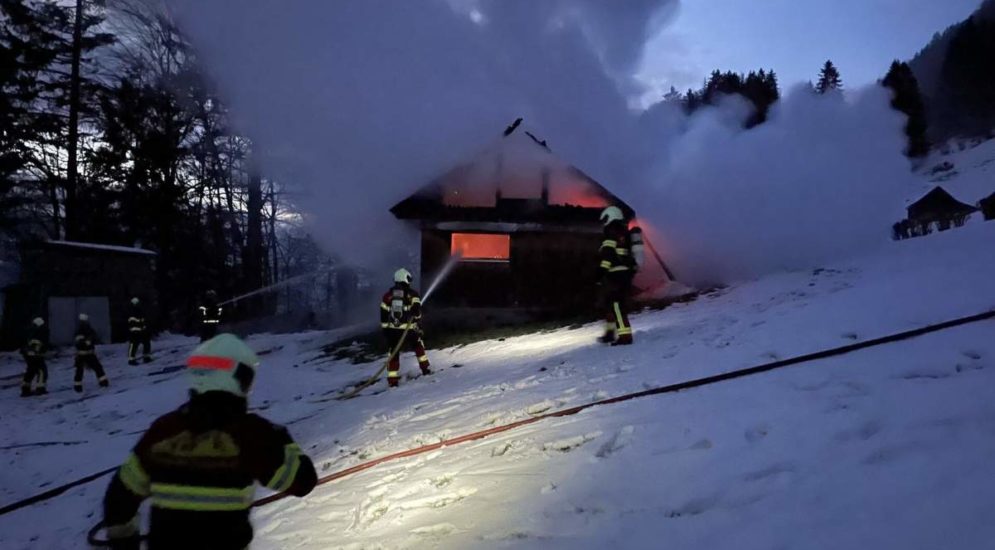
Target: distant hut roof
[[518, 179], [100, 247], [936, 204]]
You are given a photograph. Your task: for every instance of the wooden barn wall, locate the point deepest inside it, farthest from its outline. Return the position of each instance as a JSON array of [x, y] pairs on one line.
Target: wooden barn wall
[[548, 270]]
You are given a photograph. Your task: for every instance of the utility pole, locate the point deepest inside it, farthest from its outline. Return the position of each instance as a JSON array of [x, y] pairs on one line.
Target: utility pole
[[72, 172]]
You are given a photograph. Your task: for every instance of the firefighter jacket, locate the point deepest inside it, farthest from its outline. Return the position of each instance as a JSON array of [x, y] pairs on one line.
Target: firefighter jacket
[[400, 308], [86, 339], [136, 320], [198, 465], [37, 342], [210, 313], [617, 255]]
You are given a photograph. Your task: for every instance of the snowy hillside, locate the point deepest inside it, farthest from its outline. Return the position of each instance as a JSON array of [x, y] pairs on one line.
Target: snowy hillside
[[891, 447], [969, 176]]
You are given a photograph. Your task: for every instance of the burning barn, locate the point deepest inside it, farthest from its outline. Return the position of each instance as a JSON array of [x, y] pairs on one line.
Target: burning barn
[[523, 224]]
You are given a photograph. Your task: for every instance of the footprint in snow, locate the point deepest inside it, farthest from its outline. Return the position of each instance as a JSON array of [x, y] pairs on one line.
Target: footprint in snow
[[756, 433], [777, 471], [618, 442], [862, 433], [570, 443], [694, 507]]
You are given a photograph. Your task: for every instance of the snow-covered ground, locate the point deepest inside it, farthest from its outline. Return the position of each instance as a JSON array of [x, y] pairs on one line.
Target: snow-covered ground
[[972, 177], [892, 447]]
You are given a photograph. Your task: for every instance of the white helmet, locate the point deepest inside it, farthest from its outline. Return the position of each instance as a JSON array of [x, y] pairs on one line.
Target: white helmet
[[402, 276], [38, 321], [223, 363], [611, 214], [135, 301], [84, 317]]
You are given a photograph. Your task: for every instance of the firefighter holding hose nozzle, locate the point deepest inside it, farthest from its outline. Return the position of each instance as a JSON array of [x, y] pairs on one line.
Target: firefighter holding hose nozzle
[[621, 256], [400, 313]]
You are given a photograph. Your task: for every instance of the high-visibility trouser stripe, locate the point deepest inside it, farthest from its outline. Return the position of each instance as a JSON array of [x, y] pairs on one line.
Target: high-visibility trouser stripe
[[285, 474], [619, 268], [136, 329], [211, 321], [134, 320], [206, 499], [415, 301], [605, 264], [393, 374], [402, 326], [423, 359], [622, 252], [610, 243], [134, 477], [620, 320]]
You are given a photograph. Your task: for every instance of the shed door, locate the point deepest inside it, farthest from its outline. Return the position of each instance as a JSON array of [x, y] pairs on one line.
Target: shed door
[[64, 311]]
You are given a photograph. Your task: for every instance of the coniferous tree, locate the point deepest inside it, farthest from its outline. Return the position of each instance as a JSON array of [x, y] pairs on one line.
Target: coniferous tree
[[829, 79], [908, 99]]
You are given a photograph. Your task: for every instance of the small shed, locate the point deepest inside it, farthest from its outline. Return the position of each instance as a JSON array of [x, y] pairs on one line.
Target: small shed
[[939, 206], [521, 225], [61, 279]]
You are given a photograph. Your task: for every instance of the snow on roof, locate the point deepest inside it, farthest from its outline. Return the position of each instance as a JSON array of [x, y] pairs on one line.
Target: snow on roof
[[107, 247]]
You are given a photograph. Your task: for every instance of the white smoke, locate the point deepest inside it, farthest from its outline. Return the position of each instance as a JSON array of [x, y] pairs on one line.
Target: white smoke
[[821, 180], [363, 101]]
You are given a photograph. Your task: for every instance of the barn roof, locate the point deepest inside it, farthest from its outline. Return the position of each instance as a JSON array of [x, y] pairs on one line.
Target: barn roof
[[938, 203], [517, 179]]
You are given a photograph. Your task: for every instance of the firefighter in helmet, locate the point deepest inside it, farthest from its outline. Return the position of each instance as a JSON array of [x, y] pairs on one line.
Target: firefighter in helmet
[[138, 333], [400, 313], [34, 357], [210, 316], [86, 354], [621, 255], [199, 464]]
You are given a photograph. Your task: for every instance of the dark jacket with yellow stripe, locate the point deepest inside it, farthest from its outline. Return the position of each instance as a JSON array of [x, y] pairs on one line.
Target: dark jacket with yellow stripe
[[136, 320], [617, 261], [400, 308], [198, 465], [37, 342], [86, 339]]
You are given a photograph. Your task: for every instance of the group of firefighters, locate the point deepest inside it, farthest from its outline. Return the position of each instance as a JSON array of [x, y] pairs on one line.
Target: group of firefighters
[[35, 380], [198, 464]]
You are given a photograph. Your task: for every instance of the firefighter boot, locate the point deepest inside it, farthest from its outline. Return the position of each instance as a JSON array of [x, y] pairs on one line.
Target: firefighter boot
[[624, 340], [609, 336], [26, 391]]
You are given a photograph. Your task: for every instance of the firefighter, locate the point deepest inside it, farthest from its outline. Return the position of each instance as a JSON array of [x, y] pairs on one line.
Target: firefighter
[[86, 354], [34, 356], [400, 310], [621, 255], [138, 334], [199, 463], [210, 316]]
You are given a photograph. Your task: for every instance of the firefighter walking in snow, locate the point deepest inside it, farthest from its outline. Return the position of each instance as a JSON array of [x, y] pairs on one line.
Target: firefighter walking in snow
[[210, 316], [621, 255], [86, 354], [138, 334], [199, 464], [34, 356], [400, 312]]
